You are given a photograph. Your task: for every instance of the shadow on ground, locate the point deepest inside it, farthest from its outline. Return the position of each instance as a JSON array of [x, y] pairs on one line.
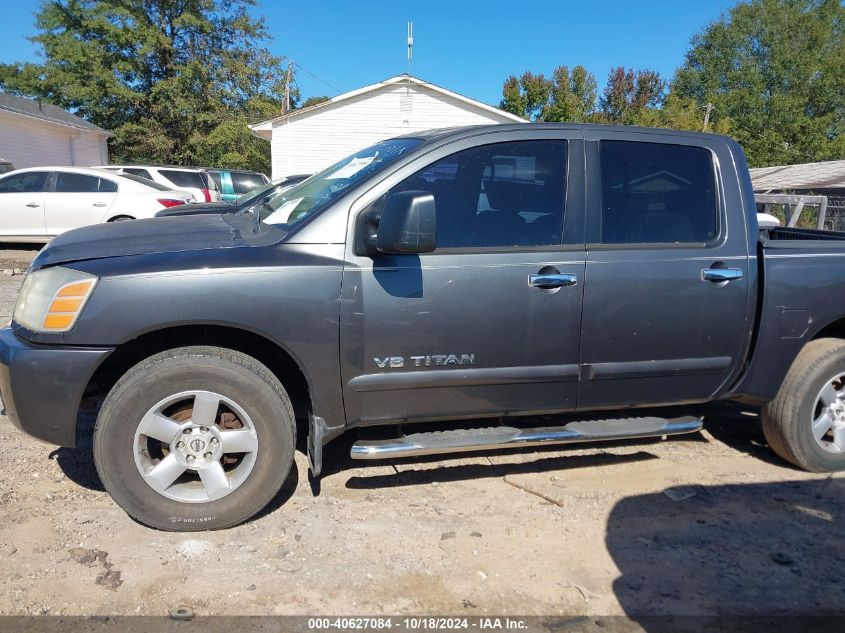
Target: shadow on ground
[[744, 549]]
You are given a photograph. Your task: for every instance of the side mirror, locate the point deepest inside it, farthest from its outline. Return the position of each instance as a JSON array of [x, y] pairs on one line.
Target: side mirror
[[408, 224]]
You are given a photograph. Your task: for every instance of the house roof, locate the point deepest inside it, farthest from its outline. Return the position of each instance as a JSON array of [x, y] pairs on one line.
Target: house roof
[[827, 175], [400, 79], [38, 109]]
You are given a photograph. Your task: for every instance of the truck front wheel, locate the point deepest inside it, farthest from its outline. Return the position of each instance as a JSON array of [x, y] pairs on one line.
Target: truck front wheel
[[805, 423], [195, 438]]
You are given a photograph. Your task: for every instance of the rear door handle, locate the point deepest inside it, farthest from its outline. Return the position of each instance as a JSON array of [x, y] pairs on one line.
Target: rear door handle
[[717, 275], [555, 280], [100, 204], [33, 205]]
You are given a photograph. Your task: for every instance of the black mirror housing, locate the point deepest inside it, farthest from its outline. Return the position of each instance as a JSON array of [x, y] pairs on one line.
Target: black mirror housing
[[408, 224]]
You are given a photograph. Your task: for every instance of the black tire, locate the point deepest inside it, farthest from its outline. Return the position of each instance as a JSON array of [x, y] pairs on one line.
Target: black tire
[[232, 374], [787, 419], [121, 218]]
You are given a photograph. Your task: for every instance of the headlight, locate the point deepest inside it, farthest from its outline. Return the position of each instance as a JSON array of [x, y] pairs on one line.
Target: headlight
[[52, 299]]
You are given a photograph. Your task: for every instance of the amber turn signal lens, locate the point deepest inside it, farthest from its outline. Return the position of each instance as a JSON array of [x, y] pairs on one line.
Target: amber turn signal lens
[[58, 321], [75, 290], [66, 305]]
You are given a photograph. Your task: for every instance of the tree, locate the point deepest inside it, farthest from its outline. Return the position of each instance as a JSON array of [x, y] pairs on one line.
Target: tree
[[573, 95], [632, 97], [526, 96], [175, 80], [684, 113], [565, 97], [776, 68], [312, 101]]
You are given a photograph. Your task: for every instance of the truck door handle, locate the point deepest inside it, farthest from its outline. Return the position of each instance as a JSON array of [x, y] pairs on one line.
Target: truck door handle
[[717, 275], [33, 205], [553, 280]]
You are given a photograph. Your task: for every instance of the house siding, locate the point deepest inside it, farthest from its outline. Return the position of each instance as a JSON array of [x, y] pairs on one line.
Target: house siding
[[312, 142], [30, 142]]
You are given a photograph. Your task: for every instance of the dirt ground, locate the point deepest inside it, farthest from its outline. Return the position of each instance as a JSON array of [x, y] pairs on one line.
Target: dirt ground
[[711, 523]]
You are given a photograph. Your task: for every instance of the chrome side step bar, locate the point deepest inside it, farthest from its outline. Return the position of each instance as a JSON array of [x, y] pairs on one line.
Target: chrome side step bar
[[464, 440]]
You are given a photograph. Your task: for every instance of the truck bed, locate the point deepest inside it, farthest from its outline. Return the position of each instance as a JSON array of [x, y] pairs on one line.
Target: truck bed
[[783, 233]]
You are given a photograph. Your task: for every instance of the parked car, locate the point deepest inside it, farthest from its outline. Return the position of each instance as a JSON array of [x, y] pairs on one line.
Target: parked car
[[40, 202], [503, 272], [234, 183], [196, 181], [243, 203], [6, 166]]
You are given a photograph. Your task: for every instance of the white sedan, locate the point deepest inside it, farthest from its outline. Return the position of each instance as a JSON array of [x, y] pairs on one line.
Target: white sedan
[[41, 202]]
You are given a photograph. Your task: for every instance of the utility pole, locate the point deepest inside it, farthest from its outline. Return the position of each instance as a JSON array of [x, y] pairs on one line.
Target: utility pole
[[288, 76], [707, 117]]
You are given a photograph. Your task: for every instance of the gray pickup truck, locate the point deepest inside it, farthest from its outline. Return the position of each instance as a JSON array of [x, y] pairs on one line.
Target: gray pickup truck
[[512, 285]]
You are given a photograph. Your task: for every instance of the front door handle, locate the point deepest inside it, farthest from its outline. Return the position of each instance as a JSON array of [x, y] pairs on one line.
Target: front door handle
[[33, 205], [717, 275], [100, 204], [553, 280]]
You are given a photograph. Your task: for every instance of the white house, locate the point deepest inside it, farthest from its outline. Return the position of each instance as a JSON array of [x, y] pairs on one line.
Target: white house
[[34, 133], [308, 140]]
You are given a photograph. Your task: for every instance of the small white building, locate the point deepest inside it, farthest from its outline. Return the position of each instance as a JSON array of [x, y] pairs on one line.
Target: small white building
[[34, 133], [308, 140]]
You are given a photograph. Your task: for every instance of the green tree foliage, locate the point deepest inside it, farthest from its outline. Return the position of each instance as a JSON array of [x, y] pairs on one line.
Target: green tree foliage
[[176, 81], [312, 101], [567, 96], [684, 113], [526, 96], [776, 69], [572, 95]]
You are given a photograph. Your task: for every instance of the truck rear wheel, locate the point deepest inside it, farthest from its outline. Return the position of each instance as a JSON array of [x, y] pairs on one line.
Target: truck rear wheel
[[195, 438], [805, 423]]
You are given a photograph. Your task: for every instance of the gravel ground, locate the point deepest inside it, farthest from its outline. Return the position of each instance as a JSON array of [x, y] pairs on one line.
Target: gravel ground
[[711, 523]]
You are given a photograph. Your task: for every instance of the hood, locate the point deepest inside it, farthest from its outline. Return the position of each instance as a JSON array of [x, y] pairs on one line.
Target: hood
[[157, 235], [197, 209]]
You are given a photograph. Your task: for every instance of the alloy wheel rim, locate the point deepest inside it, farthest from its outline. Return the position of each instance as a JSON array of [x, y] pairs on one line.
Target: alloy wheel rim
[[195, 446], [828, 423]]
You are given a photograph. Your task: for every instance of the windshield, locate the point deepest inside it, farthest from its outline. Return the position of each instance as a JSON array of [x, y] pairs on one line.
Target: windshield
[[313, 194], [145, 181]]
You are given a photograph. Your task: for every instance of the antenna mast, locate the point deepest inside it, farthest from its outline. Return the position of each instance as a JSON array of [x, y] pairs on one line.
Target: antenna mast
[[410, 46]]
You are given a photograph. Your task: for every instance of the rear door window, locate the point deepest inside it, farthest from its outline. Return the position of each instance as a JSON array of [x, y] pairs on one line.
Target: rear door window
[[179, 178], [657, 193], [82, 183]]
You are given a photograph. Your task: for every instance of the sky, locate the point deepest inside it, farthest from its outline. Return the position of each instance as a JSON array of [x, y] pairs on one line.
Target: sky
[[467, 47]]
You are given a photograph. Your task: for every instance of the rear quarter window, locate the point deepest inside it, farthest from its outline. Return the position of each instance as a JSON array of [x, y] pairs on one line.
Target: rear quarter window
[[141, 173], [245, 182], [179, 178]]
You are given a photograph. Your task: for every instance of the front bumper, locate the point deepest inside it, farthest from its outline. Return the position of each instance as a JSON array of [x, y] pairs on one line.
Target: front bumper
[[42, 386]]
